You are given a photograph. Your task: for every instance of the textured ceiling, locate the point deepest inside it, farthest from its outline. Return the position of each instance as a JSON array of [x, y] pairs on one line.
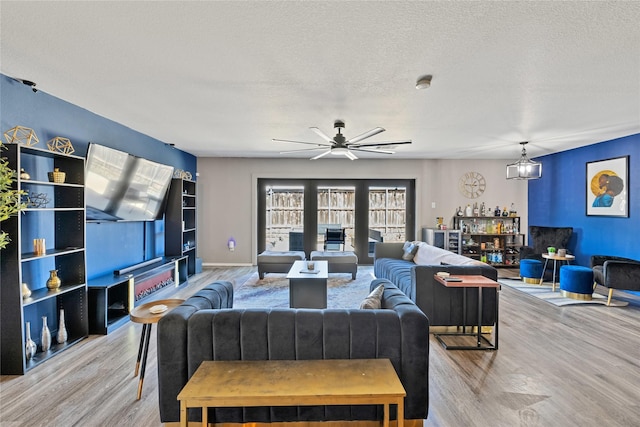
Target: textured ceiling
[[224, 78]]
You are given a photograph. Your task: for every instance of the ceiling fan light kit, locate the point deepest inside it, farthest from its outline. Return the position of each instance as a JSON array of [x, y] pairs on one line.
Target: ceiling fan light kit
[[340, 146], [524, 168]]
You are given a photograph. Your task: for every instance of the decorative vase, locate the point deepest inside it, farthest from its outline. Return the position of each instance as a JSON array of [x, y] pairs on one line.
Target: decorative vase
[[26, 292], [45, 335], [62, 330], [56, 176], [29, 346], [24, 175], [54, 281]]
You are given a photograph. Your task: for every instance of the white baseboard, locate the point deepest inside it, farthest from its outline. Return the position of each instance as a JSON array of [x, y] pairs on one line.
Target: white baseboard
[[226, 264]]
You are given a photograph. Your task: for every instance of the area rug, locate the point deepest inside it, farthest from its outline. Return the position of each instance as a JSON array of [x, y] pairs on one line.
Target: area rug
[[545, 293], [273, 290]]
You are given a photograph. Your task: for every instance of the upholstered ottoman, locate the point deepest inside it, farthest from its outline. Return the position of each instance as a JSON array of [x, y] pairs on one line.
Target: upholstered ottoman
[[339, 262], [576, 282], [277, 262], [531, 270]]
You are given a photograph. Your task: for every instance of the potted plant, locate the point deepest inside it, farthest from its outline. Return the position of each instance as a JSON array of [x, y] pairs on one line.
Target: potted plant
[[10, 200]]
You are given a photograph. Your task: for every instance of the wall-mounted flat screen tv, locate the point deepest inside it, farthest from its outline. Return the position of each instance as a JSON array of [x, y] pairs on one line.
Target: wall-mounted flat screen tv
[[122, 187]]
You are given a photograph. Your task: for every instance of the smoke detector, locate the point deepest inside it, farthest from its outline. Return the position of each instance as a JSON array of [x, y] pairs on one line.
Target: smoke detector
[[424, 82]]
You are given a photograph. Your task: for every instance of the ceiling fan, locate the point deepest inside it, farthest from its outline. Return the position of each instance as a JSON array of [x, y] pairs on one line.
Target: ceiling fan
[[340, 146]]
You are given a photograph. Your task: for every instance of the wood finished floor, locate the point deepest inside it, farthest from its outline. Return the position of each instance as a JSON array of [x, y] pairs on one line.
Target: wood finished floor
[[570, 366]]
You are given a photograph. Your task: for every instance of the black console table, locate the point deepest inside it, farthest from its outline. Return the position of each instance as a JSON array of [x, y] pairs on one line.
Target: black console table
[[113, 296]]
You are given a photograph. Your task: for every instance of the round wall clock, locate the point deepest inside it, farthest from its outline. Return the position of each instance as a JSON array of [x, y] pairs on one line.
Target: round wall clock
[[472, 185]]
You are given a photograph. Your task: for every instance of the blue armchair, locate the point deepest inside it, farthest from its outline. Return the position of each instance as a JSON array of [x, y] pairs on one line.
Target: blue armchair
[[614, 272]]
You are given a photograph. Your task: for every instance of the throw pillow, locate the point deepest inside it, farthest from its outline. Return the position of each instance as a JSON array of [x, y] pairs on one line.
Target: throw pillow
[[409, 250], [374, 299]]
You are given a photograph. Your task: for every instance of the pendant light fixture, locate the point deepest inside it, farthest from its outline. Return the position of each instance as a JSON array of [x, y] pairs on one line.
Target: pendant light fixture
[[524, 168]]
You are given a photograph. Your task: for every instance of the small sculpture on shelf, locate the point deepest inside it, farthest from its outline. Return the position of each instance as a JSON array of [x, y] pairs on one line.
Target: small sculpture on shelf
[[60, 145], [56, 176], [21, 135], [36, 200], [26, 292], [24, 175], [182, 174]]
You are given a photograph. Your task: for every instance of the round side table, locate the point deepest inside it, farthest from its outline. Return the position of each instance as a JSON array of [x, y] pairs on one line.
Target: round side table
[[555, 258], [142, 314]]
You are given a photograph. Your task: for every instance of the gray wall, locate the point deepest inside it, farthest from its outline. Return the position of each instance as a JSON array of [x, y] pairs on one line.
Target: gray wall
[[227, 194]]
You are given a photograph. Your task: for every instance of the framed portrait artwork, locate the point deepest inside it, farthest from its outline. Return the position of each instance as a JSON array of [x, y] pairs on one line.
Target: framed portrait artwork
[[608, 187]]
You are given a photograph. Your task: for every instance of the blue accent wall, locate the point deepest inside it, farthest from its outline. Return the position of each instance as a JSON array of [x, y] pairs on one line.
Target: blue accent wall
[[559, 199], [109, 245]]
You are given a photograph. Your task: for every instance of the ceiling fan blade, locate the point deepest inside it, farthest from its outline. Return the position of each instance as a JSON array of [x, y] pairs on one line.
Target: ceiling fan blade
[[350, 155], [322, 134], [380, 144], [302, 149], [320, 155], [365, 135], [318, 144], [370, 150]]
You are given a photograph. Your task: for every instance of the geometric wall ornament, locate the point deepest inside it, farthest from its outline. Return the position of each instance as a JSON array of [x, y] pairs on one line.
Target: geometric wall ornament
[[21, 135], [60, 145], [181, 174]]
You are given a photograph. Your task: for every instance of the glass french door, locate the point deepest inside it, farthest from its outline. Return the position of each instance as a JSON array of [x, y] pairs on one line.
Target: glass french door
[[284, 227], [387, 215], [293, 214], [336, 210]]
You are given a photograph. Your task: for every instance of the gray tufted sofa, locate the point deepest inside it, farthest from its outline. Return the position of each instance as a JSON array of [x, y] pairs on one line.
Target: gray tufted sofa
[[443, 306], [195, 332]]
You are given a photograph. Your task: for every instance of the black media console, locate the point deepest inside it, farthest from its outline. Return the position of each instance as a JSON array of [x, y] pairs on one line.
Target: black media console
[[113, 296]]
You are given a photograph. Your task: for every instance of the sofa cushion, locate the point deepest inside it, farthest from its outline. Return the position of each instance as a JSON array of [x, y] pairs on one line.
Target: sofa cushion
[[431, 255], [374, 299], [409, 250]]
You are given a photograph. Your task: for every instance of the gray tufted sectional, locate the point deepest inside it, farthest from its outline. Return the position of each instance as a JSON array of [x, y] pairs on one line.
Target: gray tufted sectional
[[443, 306], [205, 327]]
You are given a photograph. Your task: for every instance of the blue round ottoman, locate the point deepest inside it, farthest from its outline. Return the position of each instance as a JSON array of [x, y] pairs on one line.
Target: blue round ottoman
[[531, 271], [576, 282]]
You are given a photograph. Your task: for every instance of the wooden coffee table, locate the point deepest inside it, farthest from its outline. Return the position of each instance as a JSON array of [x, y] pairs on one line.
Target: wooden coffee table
[[308, 289], [293, 383], [479, 282]]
